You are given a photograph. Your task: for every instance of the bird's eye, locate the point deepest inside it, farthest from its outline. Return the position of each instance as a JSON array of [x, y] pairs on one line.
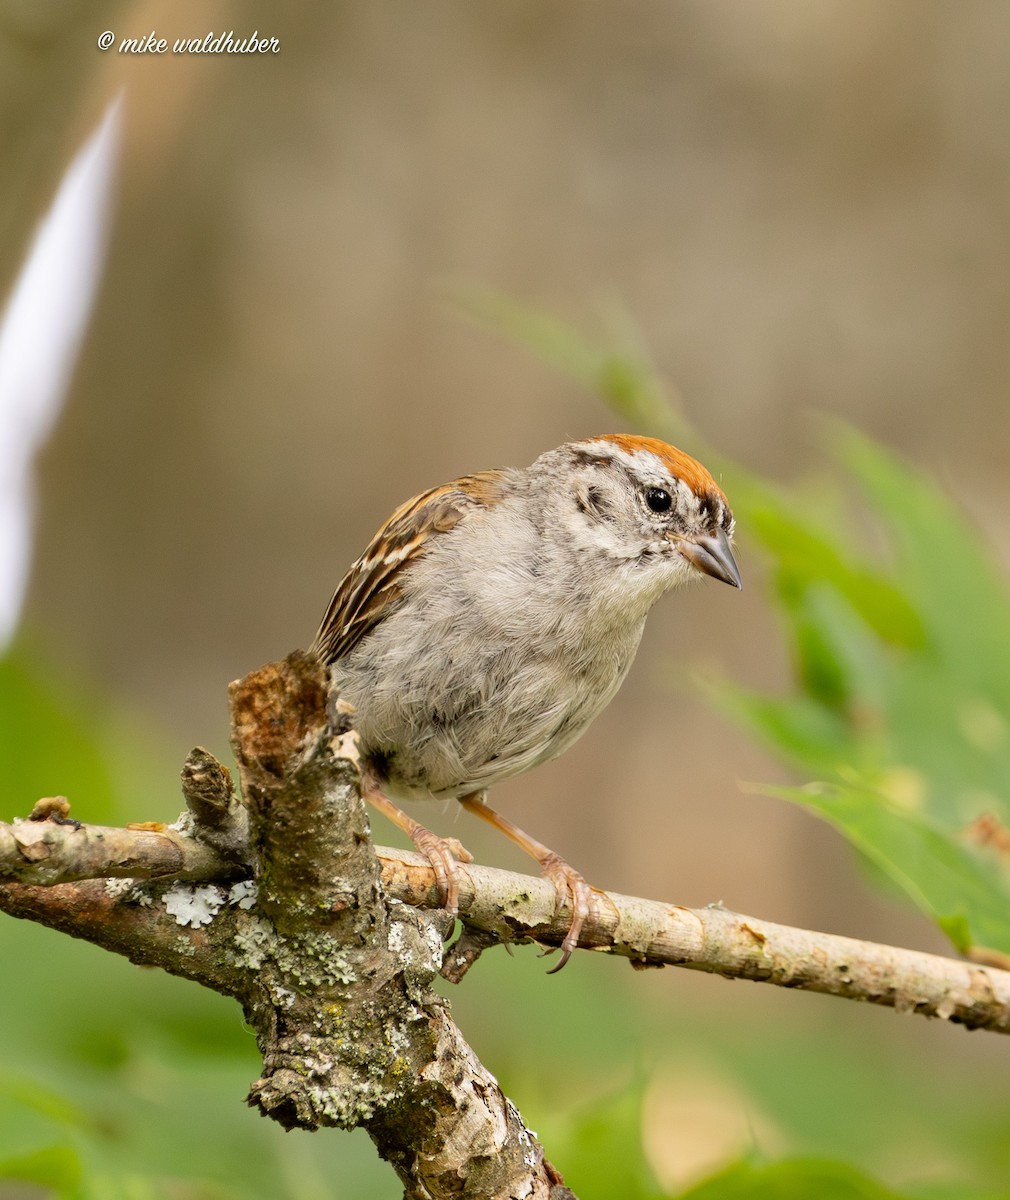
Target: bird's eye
[[658, 499]]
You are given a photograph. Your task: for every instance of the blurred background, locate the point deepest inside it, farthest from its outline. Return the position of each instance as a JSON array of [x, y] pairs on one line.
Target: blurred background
[[802, 207]]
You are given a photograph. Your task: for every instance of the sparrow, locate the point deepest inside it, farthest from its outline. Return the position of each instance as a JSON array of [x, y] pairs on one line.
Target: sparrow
[[490, 619]]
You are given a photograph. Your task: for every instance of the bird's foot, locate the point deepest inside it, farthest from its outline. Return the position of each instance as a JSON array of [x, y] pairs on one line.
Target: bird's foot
[[445, 855], [572, 891]]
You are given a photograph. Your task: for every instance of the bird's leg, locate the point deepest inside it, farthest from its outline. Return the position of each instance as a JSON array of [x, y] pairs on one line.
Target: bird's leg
[[444, 854], [569, 885]]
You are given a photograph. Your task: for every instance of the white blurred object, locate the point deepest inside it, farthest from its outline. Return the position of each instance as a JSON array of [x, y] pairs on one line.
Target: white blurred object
[[40, 335]]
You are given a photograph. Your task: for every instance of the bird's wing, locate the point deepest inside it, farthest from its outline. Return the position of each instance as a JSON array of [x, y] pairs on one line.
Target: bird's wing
[[373, 585]]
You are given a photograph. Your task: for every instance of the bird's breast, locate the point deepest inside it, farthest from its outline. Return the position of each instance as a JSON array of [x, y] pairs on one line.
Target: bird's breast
[[476, 701]]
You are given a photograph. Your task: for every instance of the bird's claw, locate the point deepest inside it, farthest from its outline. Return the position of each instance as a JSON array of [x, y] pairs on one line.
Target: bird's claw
[[572, 891], [445, 855], [458, 850]]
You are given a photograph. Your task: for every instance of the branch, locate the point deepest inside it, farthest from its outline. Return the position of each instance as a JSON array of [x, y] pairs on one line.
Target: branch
[[44, 851], [350, 1029], [504, 906]]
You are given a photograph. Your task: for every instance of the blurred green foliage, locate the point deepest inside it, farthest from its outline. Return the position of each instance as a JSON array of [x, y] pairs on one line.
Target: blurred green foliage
[[123, 1084], [790, 1180], [899, 625]]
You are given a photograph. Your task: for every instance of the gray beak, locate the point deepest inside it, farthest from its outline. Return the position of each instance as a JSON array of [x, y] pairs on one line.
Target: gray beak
[[713, 556]]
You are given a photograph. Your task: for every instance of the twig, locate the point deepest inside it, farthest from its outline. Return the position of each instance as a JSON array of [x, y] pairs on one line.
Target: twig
[[53, 851], [219, 817], [505, 906]]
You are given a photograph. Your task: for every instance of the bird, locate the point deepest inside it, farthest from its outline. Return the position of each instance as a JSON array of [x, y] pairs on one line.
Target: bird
[[491, 619]]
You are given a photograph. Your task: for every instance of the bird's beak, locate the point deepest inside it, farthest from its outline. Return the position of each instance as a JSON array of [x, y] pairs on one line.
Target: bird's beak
[[713, 556]]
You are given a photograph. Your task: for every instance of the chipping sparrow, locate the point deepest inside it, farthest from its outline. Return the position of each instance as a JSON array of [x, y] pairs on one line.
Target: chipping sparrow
[[491, 619]]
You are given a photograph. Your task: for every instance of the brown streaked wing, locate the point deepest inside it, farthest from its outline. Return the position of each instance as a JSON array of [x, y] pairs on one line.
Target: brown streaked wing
[[371, 588]]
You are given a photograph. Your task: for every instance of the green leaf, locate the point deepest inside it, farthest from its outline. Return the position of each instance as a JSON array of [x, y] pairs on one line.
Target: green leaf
[[809, 736], [791, 1179], [966, 894], [809, 554], [54, 1167], [46, 1101], [619, 373], [603, 1142], [941, 560], [837, 661], [902, 669]]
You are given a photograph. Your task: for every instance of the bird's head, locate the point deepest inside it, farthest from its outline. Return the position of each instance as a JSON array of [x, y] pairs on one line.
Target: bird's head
[[649, 505]]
